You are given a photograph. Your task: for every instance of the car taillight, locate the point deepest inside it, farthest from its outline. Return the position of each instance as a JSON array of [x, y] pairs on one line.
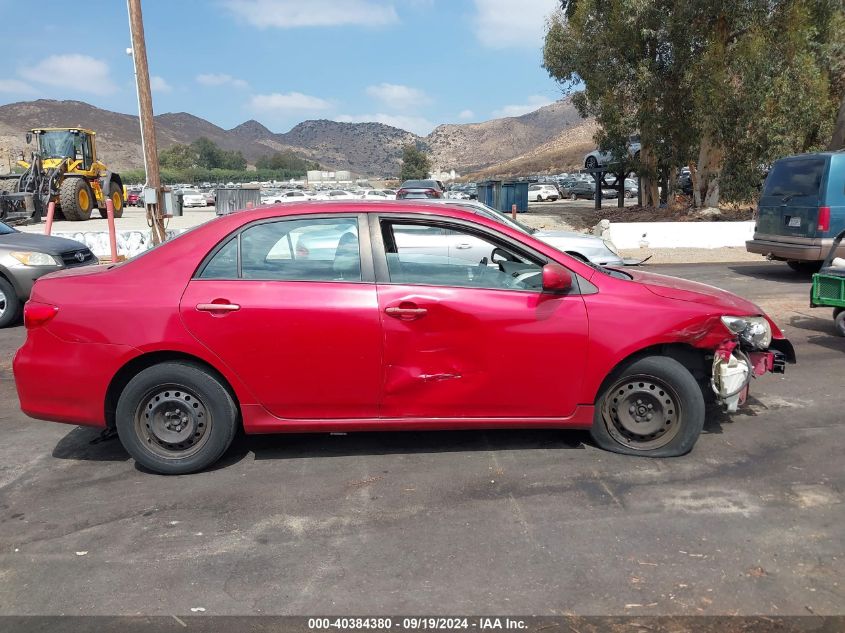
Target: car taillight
[[824, 219], [432, 193], [401, 192], [37, 314]]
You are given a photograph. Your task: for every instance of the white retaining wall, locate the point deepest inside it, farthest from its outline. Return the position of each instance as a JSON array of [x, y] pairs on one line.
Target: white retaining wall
[[129, 243], [680, 234]]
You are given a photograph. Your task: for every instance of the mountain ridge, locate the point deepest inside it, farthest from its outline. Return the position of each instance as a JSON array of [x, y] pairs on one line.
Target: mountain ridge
[[369, 149]]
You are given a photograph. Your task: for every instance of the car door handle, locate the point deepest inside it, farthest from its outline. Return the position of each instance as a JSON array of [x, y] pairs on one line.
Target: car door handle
[[463, 246], [218, 307], [405, 313]]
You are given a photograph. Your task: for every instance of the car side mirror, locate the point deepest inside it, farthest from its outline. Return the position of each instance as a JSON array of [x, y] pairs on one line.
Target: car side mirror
[[28, 138], [556, 278]]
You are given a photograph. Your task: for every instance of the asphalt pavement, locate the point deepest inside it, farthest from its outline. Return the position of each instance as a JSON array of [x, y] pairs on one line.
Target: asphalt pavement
[[521, 522]]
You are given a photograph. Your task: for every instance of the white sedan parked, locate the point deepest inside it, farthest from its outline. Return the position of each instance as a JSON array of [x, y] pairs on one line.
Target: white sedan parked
[[193, 198], [541, 193], [375, 194]]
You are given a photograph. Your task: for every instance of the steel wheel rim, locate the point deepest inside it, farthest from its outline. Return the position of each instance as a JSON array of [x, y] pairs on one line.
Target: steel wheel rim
[[172, 422], [3, 303], [642, 412]]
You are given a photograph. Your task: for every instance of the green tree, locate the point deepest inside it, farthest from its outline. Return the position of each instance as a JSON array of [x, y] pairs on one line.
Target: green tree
[[733, 83], [415, 163], [285, 160], [178, 156], [208, 154]]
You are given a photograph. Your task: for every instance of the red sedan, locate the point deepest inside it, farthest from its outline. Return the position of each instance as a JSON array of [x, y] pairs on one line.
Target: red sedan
[[353, 316]]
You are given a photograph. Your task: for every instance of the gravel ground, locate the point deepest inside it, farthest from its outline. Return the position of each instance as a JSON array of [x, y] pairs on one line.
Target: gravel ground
[[692, 255]]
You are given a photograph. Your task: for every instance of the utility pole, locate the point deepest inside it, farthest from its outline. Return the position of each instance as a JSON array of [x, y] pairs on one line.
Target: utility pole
[[145, 111]]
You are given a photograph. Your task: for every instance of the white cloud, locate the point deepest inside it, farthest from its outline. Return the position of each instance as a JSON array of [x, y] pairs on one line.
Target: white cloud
[[290, 101], [416, 124], [286, 14], [76, 72], [533, 102], [15, 86], [220, 79], [506, 23], [398, 97], [466, 115], [158, 84]]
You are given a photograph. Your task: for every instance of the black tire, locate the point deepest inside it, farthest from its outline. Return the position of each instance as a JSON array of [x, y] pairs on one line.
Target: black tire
[[839, 321], [10, 304], [591, 162], [805, 268], [200, 409], [116, 194], [654, 407], [76, 199], [573, 196]]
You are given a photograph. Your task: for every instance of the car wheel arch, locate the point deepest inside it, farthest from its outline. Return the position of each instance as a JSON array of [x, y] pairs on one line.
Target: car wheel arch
[[138, 364], [692, 358], [14, 283]]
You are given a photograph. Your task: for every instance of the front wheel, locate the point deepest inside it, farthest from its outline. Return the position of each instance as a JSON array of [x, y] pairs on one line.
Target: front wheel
[[653, 408], [10, 304], [591, 162], [573, 196], [176, 418]]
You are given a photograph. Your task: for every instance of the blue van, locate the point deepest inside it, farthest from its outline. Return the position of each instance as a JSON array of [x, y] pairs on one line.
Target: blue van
[[801, 209]]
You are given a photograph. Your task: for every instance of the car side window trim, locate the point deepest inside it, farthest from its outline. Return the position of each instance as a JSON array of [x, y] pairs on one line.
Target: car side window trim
[[379, 250], [364, 248]]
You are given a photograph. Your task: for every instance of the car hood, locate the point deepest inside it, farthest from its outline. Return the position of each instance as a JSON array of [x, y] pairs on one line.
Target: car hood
[[41, 243], [683, 290]]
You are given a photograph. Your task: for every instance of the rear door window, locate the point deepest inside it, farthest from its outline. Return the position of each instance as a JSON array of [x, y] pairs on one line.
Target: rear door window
[[793, 178]]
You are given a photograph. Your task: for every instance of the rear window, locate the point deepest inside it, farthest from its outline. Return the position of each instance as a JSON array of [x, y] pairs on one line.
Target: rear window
[[795, 178], [420, 184]]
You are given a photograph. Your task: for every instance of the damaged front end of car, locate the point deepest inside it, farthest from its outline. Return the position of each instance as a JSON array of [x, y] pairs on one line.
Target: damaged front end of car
[[756, 347]]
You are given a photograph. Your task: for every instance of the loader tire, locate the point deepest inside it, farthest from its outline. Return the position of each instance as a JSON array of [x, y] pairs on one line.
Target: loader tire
[[115, 194], [76, 199]]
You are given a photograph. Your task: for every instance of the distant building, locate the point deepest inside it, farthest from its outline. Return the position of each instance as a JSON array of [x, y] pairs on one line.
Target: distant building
[[439, 174], [336, 178]]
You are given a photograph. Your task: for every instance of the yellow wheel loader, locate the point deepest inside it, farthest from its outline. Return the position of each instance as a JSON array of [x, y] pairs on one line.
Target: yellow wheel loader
[[64, 169]]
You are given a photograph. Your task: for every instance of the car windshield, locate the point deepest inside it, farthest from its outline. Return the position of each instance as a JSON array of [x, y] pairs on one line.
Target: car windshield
[[5, 229]]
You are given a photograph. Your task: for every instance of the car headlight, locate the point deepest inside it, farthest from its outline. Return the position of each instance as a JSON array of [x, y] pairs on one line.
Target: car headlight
[[754, 331], [34, 258]]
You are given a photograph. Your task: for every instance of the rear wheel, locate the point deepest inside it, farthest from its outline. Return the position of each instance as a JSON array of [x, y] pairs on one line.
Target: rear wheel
[[806, 268], [839, 320], [176, 418], [116, 197], [76, 199], [10, 305], [654, 408], [573, 196], [591, 162]]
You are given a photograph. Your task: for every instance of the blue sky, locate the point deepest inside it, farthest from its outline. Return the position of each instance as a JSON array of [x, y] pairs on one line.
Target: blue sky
[[410, 63]]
